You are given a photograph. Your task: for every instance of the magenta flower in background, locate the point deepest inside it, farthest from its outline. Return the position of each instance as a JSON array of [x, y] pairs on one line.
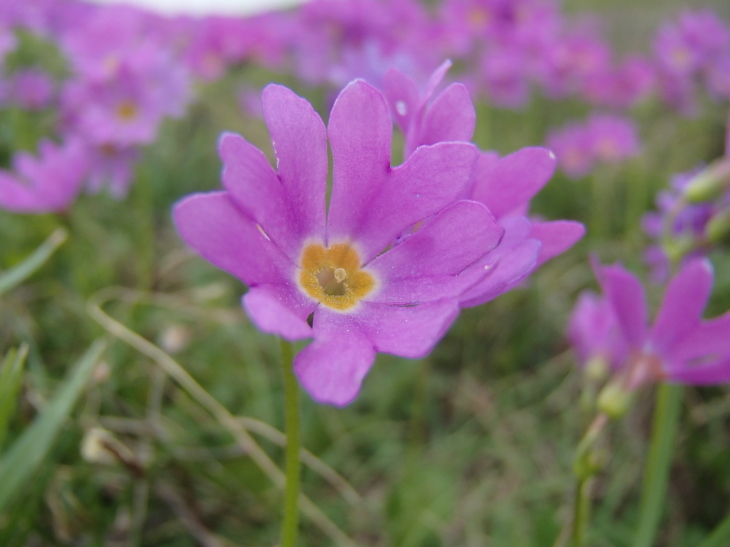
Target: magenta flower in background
[[271, 230], [571, 146], [111, 167], [680, 347], [47, 183], [121, 112], [603, 138], [612, 138]]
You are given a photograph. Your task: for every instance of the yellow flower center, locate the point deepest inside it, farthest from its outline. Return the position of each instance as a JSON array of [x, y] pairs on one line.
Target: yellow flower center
[[333, 276], [127, 110]]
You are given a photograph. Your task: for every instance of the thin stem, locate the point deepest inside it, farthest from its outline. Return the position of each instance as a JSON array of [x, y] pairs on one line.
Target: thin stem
[[580, 511], [293, 441], [584, 468], [656, 474]]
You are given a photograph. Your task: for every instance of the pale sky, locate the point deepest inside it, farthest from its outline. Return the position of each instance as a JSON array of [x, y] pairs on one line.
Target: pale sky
[[208, 7]]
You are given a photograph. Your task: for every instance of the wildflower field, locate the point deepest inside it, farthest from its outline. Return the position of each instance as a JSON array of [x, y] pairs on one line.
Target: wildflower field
[[365, 273]]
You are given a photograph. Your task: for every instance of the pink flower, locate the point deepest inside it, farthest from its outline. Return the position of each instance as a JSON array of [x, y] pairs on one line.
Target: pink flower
[[680, 346], [44, 184], [336, 266]]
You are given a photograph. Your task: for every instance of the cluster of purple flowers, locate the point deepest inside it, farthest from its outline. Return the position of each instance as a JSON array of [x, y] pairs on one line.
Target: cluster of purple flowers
[[603, 138], [387, 266], [123, 79], [130, 69], [689, 224]]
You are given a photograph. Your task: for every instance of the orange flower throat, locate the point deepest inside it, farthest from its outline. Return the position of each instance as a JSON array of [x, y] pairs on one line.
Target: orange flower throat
[[333, 276]]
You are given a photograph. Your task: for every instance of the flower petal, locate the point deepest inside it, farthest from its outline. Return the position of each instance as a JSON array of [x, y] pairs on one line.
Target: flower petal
[[280, 310], [626, 295], [451, 117], [360, 133], [402, 95], [505, 271], [701, 375], [300, 143], [426, 265], [333, 367], [432, 178], [258, 192], [407, 331], [212, 225], [513, 180], [684, 301], [710, 338], [556, 237]]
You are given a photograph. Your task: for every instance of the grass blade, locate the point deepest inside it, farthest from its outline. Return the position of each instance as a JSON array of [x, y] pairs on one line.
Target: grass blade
[[11, 376], [25, 269], [27, 453], [658, 465]]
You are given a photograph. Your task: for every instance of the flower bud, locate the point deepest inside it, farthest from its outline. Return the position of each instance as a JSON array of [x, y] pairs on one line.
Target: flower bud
[[718, 228], [614, 400], [709, 183]]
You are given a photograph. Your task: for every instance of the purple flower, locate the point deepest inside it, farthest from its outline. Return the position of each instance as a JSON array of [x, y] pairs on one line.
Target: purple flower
[[612, 138], [272, 230], [680, 347], [594, 333], [622, 86], [121, 112], [601, 139], [571, 145], [48, 183], [111, 167]]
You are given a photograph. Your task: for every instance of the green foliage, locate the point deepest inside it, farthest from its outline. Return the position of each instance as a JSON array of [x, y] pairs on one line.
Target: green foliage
[[27, 453]]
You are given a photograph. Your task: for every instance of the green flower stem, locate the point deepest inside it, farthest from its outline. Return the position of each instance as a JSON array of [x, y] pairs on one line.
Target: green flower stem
[[720, 536], [656, 474], [584, 468], [581, 506], [293, 441]]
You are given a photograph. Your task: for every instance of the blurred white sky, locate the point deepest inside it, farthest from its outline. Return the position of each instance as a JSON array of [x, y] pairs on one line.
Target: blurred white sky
[[208, 7]]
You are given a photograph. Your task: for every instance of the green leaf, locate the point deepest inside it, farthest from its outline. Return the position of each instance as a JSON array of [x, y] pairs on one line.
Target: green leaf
[[25, 269], [11, 376], [28, 452]]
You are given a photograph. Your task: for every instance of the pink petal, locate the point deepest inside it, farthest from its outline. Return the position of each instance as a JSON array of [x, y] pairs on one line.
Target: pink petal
[[451, 117], [514, 180], [701, 375], [709, 338], [684, 301], [213, 225], [556, 237], [626, 295], [512, 265], [300, 142], [432, 178], [280, 310], [360, 133], [333, 367], [402, 95], [426, 266]]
